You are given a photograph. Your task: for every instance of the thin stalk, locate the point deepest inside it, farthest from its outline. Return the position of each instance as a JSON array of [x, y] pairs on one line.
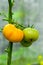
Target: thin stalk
[[9, 53], [10, 43], [10, 11]]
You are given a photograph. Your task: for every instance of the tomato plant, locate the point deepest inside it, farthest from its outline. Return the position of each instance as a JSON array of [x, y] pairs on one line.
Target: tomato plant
[[15, 32]]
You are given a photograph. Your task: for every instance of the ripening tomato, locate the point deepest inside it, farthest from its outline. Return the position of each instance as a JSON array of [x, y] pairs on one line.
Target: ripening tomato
[[31, 34], [12, 33]]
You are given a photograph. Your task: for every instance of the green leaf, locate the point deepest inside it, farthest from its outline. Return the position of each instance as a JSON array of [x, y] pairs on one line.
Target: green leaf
[[5, 19]]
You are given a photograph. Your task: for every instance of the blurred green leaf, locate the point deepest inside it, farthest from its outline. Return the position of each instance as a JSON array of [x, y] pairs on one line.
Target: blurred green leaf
[[3, 13], [17, 15], [0, 13], [19, 58], [0, 29], [5, 19], [32, 26]]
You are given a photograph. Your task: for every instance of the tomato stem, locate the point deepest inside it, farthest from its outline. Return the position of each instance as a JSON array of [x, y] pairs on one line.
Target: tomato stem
[[10, 43], [9, 53], [10, 11]]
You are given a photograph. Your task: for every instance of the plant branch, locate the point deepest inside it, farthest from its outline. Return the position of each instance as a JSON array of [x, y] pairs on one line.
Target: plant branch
[[19, 25]]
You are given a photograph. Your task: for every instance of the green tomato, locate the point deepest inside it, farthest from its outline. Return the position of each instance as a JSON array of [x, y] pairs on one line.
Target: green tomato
[[31, 34], [25, 43]]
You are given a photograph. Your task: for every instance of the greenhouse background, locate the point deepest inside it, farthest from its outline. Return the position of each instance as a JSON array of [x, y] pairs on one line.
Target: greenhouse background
[[33, 10]]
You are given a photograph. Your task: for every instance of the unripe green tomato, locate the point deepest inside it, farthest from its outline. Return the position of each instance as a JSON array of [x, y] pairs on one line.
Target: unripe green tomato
[[31, 34], [25, 43]]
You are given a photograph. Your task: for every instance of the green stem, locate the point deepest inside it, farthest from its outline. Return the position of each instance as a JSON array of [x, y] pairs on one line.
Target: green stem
[[9, 53], [10, 43], [19, 25], [10, 11]]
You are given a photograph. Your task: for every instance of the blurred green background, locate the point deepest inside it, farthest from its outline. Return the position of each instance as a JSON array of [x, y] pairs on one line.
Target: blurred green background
[[32, 14]]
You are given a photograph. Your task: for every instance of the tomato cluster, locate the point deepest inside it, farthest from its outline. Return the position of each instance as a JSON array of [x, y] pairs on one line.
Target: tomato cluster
[[25, 36]]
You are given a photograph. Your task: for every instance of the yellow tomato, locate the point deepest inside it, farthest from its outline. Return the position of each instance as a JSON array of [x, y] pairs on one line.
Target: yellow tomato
[[12, 34]]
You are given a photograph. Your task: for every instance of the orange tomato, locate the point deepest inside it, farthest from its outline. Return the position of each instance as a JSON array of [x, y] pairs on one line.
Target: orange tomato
[[12, 34], [20, 35]]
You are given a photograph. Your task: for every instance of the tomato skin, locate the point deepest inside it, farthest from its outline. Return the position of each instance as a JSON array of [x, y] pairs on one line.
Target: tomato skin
[[12, 34], [31, 34], [8, 30], [20, 35]]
